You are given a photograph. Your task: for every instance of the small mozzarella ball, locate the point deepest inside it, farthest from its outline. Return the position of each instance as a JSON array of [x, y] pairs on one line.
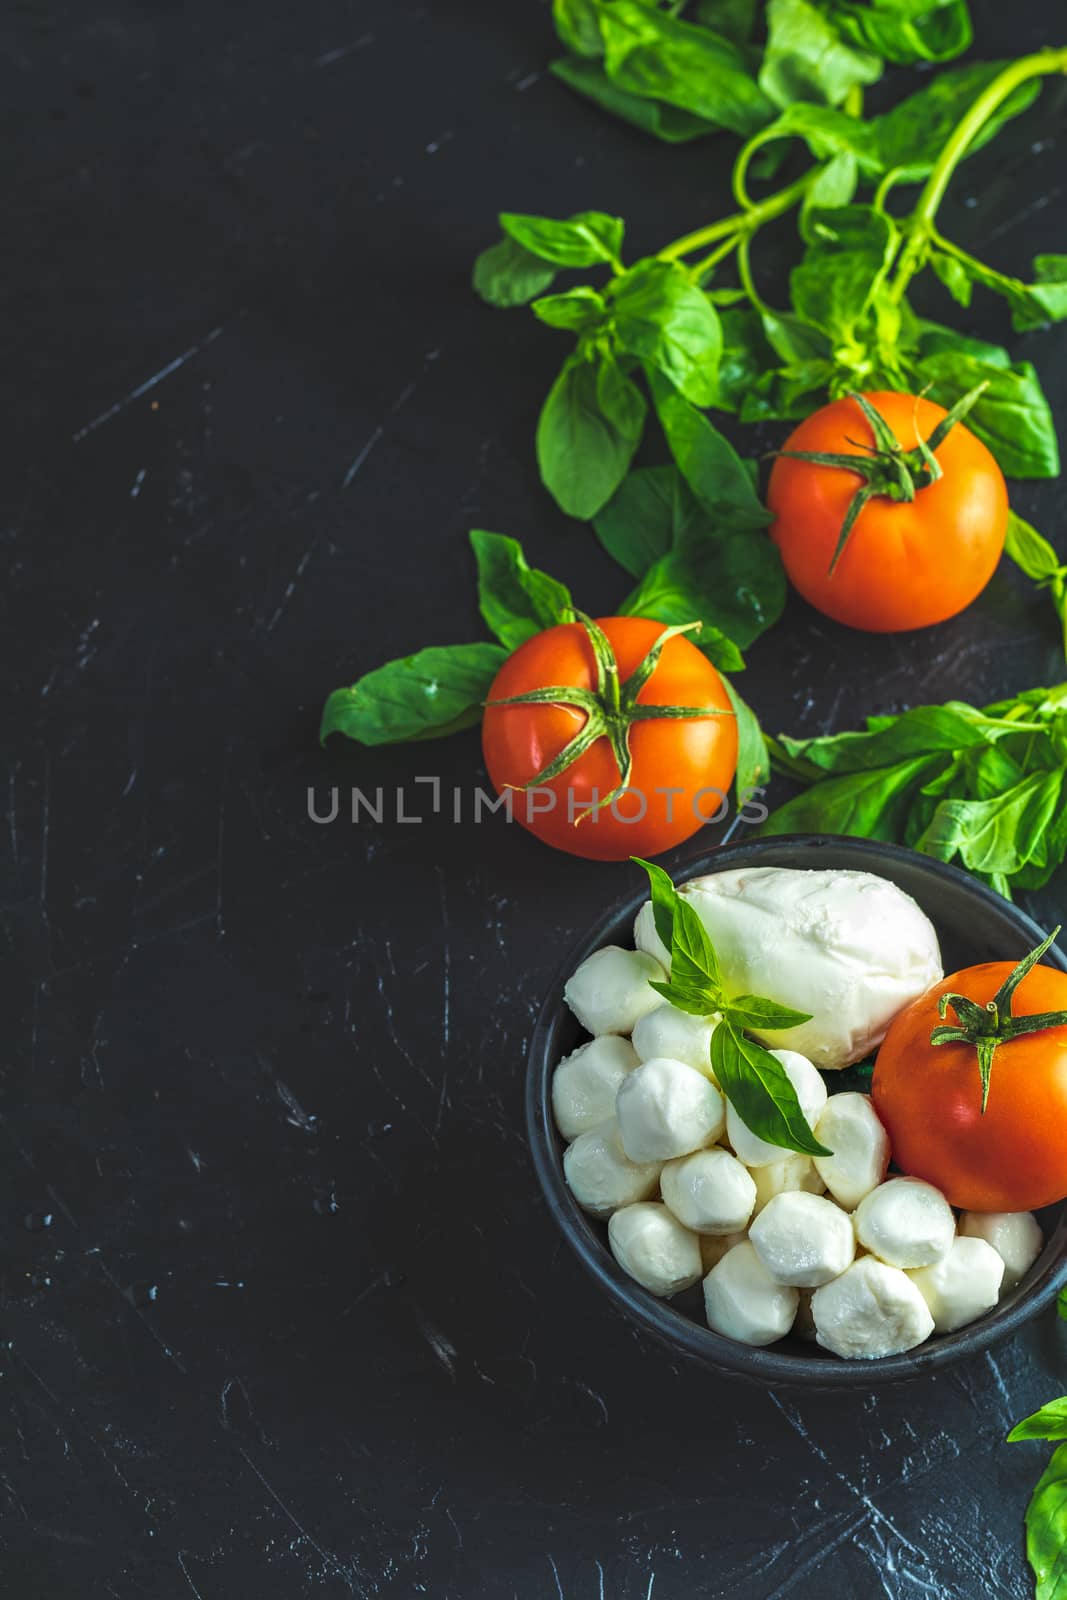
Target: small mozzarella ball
[[804, 1324], [654, 1248], [803, 1239], [852, 1129], [713, 1246], [600, 1176], [610, 991], [710, 1191], [743, 1302], [795, 1172], [585, 1084], [962, 1285], [647, 939], [666, 1109], [1014, 1235], [870, 1310], [673, 1033], [906, 1222], [811, 1092]]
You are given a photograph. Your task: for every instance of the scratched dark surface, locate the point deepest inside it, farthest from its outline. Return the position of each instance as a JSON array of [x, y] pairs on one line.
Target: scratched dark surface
[[284, 1313]]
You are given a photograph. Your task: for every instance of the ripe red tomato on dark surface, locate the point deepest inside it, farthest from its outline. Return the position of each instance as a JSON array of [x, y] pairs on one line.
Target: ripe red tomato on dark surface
[[907, 564], [693, 757], [1012, 1156]]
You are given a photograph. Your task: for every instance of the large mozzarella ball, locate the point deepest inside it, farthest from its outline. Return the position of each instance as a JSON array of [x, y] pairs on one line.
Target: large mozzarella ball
[[585, 1084], [870, 1310], [610, 991], [906, 1223], [665, 1109], [851, 1127], [794, 1171], [710, 1191], [962, 1285], [847, 947], [678, 1035], [1014, 1235], [651, 1245], [646, 938], [713, 1246], [803, 1239], [743, 1302], [811, 1093], [601, 1177]]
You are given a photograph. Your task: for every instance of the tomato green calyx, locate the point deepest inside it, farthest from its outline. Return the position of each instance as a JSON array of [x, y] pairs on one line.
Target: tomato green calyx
[[611, 709], [992, 1024], [886, 469]]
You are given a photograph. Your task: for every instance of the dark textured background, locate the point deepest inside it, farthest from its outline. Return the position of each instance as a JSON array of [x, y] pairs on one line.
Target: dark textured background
[[285, 1314]]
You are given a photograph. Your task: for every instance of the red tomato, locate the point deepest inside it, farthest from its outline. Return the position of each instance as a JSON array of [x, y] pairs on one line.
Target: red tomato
[[1012, 1157], [907, 564], [694, 758]]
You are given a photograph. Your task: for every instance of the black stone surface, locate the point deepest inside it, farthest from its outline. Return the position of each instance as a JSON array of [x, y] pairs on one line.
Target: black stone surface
[[284, 1313]]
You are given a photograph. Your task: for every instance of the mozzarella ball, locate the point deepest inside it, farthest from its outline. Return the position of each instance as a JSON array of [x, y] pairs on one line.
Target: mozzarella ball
[[678, 1035], [600, 1176], [743, 1302], [906, 1222], [585, 1084], [803, 1239], [870, 1310], [1014, 1235], [666, 1109], [811, 1093], [654, 1248], [647, 939], [794, 1172], [713, 1246], [962, 1285], [610, 991], [851, 1127], [847, 947], [710, 1191]]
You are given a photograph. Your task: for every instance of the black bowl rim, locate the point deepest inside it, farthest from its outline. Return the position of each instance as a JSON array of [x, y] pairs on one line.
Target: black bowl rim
[[681, 1333]]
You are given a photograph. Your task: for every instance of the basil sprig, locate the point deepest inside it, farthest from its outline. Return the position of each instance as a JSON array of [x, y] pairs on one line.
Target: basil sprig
[[753, 1080], [1046, 1514]]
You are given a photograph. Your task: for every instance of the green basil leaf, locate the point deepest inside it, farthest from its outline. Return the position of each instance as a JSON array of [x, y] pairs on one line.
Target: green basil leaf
[[435, 692], [913, 134], [578, 27], [999, 835], [575, 310], [665, 122], [584, 240], [835, 282], [664, 896], [936, 340], [587, 432], [746, 356], [707, 461], [733, 19], [640, 522], [793, 339], [953, 275], [1045, 299], [661, 317], [515, 599], [1012, 417], [507, 274], [807, 59], [694, 964], [766, 1016], [659, 57], [1048, 1423], [674, 591], [1031, 551], [904, 35], [872, 804], [923, 730], [756, 1085], [1046, 1529], [787, 393], [753, 759], [834, 186]]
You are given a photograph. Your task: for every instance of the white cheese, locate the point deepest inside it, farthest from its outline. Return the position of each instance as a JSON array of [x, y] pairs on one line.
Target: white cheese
[[870, 1310], [710, 1191], [962, 1285], [811, 1093], [906, 1223], [610, 991], [654, 1248], [743, 1302], [803, 1239], [670, 1032], [1014, 1235], [852, 1129], [646, 938], [600, 1176], [585, 1083], [793, 1172], [665, 1109], [847, 947]]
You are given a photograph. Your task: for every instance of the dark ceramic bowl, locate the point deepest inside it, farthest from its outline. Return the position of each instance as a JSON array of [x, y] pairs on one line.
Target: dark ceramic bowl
[[973, 924]]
